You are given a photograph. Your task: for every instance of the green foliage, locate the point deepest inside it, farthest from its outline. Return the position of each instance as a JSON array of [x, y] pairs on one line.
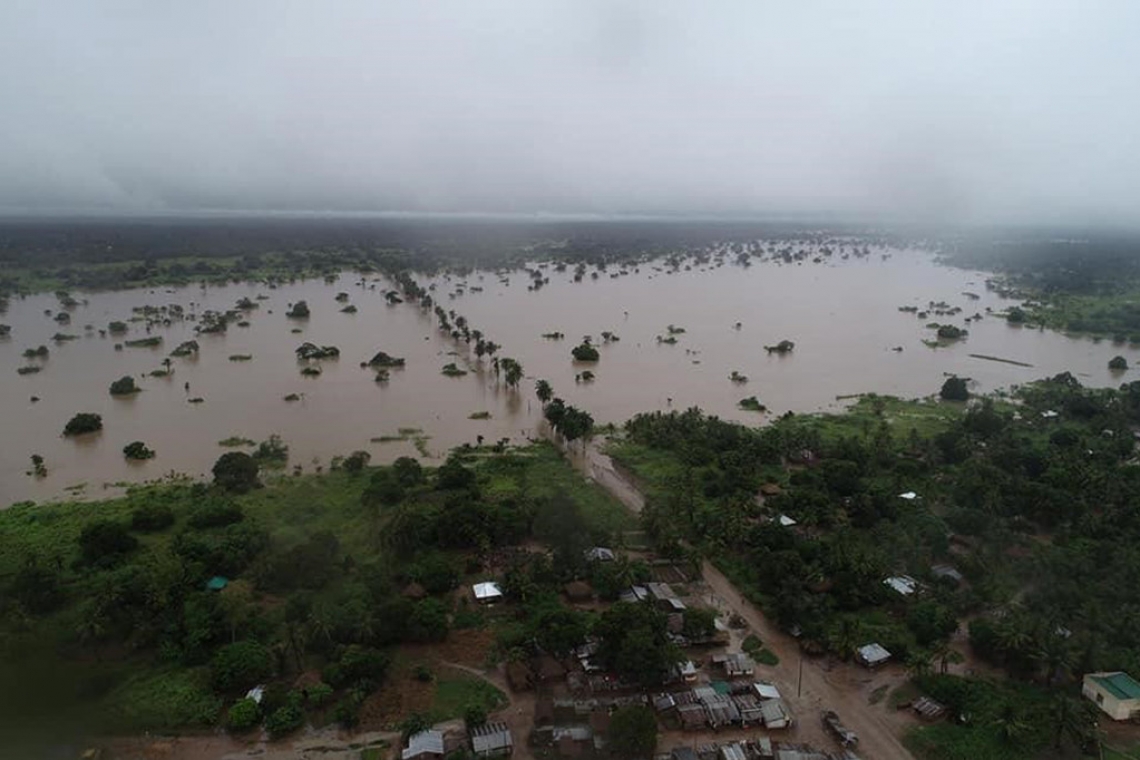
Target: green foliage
[[954, 389], [243, 715], [319, 694], [216, 513], [1118, 363], [299, 310], [124, 386], [585, 353], [428, 621], [384, 489], [105, 543], [82, 423], [162, 699], [272, 452], [137, 450], [633, 643], [37, 589], [356, 461], [240, 665], [284, 720], [151, 517], [633, 732], [236, 472], [699, 623], [409, 473]]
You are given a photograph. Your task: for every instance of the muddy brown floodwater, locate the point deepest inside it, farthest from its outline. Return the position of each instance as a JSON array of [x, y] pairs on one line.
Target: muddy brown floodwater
[[843, 317]]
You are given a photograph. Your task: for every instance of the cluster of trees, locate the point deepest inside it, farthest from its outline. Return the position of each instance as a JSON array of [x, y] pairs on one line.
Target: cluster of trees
[[336, 612], [1042, 498], [568, 421]]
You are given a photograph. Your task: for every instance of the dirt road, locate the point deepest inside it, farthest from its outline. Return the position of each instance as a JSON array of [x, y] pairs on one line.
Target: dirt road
[[841, 689]]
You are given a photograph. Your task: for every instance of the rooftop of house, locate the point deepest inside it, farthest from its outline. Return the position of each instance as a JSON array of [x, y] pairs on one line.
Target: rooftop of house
[[1118, 684], [425, 742], [487, 590]]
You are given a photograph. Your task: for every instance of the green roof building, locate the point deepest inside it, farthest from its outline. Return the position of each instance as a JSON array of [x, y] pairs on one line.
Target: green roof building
[[1117, 694]]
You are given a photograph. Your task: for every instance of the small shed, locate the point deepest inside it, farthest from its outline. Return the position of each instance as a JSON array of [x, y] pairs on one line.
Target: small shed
[[217, 583], [902, 585], [492, 740], [735, 664], [928, 709], [872, 655], [733, 751], [487, 592], [786, 521], [682, 753], [425, 744], [692, 716], [599, 554], [775, 714], [765, 690], [1116, 693]]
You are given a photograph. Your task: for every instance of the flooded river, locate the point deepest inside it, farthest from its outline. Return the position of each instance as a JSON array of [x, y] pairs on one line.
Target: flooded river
[[843, 317]]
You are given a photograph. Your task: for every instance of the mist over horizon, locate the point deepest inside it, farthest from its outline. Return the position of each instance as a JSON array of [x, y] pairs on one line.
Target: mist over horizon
[[974, 114]]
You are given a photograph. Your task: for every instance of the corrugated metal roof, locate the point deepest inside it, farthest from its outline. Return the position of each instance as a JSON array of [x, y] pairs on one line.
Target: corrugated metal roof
[[733, 751], [487, 590], [425, 742], [902, 584], [1118, 684], [873, 653], [491, 738], [766, 690]]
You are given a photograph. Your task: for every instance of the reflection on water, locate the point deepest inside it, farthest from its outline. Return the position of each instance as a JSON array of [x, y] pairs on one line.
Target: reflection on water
[[842, 316]]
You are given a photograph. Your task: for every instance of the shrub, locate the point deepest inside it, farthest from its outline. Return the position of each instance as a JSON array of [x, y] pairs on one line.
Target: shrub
[[151, 517], [124, 386], [244, 715], [84, 422], [954, 389], [408, 472], [137, 450], [241, 665], [104, 542], [356, 461], [585, 353], [284, 720], [235, 471], [1118, 363], [216, 514], [319, 694]]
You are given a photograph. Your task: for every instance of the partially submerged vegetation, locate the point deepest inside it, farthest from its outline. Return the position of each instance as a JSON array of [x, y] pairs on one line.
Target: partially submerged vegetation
[[204, 583]]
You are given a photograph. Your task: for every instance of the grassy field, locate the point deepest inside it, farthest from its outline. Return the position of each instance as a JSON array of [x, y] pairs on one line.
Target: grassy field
[[455, 692]]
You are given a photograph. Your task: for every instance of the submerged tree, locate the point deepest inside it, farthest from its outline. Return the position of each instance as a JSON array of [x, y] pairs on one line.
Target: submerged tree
[[84, 422], [137, 450]]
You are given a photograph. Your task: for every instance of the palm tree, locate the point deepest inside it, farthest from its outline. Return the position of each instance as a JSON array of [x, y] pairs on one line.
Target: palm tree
[[945, 656], [544, 391], [1073, 719], [1011, 723]]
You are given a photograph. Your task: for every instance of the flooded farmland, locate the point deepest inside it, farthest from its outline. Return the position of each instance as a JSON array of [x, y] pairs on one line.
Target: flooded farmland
[[843, 317]]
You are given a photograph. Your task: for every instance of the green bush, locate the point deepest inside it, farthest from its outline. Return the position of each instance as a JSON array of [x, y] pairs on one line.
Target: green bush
[[124, 386], [241, 665], [84, 422], [244, 715], [284, 720], [319, 694], [151, 517]]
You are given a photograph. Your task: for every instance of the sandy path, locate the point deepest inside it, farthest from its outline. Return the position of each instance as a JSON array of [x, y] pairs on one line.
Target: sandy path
[[840, 689]]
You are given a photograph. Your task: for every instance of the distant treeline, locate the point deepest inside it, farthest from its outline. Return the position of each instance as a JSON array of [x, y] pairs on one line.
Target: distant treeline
[[96, 241], [1055, 263]]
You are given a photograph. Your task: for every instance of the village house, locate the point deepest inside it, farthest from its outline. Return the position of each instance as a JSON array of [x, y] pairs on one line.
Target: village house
[[872, 655], [426, 745], [492, 740], [1117, 694], [487, 592]]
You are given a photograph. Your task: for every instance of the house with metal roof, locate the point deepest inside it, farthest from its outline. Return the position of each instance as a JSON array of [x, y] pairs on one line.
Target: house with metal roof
[[426, 744], [903, 585], [1117, 694], [492, 740], [599, 554], [735, 664], [487, 592], [872, 655], [733, 751], [775, 714]]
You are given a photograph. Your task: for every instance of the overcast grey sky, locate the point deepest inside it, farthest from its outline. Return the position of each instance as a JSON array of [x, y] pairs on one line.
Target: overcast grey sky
[[972, 111]]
